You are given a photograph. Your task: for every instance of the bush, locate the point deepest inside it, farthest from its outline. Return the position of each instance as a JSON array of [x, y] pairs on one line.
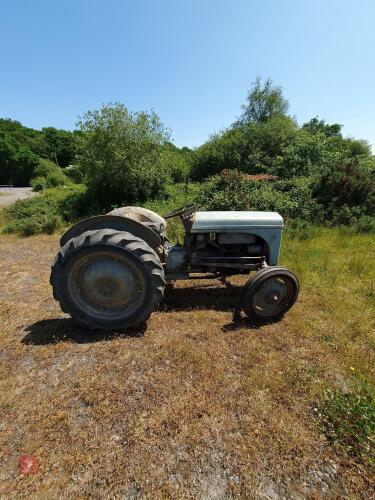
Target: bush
[[47, 212], [346, 191], [348, 420], [232, 191], [44, 168], [299, 230], [48, 175], [251, 148], [364, 224], [74, 173], [119, 153]]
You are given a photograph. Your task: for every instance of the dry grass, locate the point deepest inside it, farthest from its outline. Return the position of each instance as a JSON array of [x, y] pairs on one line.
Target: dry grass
[[193, 405]]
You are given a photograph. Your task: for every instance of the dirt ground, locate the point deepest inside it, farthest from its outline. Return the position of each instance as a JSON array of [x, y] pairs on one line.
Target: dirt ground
[[11, 195], [191, 405]]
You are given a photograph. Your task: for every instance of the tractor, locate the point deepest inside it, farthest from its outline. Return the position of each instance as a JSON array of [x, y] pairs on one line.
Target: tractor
[[112, 270]]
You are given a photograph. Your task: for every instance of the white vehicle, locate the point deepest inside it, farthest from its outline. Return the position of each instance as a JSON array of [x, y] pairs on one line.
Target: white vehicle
[[111, 270]]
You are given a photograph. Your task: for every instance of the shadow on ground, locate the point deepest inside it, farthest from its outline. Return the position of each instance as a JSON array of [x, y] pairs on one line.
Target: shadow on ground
[[53, 331], [209, 297]]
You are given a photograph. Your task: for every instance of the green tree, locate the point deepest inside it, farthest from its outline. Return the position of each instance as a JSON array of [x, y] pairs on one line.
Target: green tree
[[316, 126], [119, 153], [174, 161], [60, 145], [251, 147], [263, 102], [17, 161], [32, 139]]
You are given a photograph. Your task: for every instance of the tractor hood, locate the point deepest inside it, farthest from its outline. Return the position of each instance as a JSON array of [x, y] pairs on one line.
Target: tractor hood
[[223, 222]]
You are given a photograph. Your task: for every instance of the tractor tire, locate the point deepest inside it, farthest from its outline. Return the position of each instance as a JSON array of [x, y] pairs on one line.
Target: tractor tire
[[269, 294], [107, 279]]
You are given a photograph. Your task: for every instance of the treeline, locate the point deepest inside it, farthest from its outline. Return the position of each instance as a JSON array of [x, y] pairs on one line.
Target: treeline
[[312, 171], [26, 153], [316, 174]]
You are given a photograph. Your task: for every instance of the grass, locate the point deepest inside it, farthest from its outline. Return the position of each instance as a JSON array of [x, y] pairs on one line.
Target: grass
[[45, 213], [192, 404], [56, 207], [348, 420]]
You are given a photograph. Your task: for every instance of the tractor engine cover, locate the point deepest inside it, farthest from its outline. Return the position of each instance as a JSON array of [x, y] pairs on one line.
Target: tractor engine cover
[[239, 227]]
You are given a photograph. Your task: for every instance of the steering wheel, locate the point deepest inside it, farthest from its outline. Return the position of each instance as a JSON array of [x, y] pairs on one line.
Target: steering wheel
[[186, 209]]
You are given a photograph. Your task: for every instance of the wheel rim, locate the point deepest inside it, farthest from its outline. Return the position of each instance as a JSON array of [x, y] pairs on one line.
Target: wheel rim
[[273, 296], [106, 285]]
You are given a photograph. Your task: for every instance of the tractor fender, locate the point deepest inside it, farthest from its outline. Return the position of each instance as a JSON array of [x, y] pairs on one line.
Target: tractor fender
[[118, 223]]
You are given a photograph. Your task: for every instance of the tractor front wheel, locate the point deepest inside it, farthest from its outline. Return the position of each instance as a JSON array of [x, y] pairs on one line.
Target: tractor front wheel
[[107, 279], [270, 293]]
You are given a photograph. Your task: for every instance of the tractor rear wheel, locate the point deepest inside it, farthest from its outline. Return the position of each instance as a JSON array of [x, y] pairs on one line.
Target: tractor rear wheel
[[107, 279], [270, 293]]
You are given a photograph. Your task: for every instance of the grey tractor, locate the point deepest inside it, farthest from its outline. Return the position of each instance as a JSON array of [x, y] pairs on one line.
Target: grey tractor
[[111, 270]]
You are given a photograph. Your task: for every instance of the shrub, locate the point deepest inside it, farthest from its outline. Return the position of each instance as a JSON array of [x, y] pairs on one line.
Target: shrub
[[48, 175], [232, 191], [44, 168], [251, 148], [299, 230], [348, 420], [45, 213], [365, 224], [38, 183], [74, 173], [346, 191], [119, 153]]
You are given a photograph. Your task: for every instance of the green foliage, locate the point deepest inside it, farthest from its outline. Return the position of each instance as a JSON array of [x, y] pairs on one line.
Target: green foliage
[[57, 145], [364, 224], [74, 173], [251, 148], [264, 101], [307, 154], [119, 153], [232, 191], [28, 137], [346, 191], [299, 230], [348, 420], [316, 126], [60, 145], [173, 161], [17, 161], [48, 175], [45, 213], [177, 195]]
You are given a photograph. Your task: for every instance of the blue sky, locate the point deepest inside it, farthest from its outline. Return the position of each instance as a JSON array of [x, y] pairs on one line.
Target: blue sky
[[191, 61]]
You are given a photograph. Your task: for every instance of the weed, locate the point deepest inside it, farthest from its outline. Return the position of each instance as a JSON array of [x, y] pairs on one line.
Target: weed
[[348, 420], [357, 266]]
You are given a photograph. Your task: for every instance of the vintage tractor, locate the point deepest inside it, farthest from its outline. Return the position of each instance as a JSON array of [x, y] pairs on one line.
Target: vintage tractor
[[111, 270]]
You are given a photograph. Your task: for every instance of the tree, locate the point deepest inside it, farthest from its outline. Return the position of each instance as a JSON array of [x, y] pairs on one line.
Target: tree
[[251, 147], [315, 126], [17, 162], [263, 102], [32, 139], [60, 145], [119, 153]]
